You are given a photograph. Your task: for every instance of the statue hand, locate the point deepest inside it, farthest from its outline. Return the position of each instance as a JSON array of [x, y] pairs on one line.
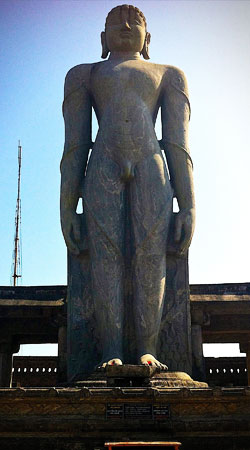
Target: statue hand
[[71, 228], [184, 229]]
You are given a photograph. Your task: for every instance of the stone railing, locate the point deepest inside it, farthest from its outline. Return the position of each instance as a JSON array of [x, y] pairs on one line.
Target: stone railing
[[228, 371], [34, 371]]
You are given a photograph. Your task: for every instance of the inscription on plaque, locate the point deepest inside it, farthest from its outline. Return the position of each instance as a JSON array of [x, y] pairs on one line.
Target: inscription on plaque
[[131, 411], [114, 411], [137, 411], [161, 412]]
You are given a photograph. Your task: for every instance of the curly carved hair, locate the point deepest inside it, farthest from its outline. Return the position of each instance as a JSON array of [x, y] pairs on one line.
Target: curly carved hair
[[130, 9]]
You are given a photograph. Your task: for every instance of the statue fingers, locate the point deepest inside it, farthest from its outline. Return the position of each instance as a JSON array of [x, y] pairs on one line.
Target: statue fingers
[[178, 229], [77, 233], [76, 228], [186, 240], [72, 246]]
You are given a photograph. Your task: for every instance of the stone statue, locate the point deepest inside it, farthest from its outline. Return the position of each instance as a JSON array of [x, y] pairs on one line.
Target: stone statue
[[126, 188]]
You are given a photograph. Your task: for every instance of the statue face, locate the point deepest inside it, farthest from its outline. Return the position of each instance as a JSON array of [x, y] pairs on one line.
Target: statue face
[[125, 30]]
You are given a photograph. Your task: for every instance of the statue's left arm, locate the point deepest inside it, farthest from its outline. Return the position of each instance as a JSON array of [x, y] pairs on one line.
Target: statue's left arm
[[77, 117], [175, 120]]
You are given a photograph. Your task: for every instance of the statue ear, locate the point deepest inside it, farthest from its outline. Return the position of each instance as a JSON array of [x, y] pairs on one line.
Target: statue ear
[[145, 52], [105, 50]]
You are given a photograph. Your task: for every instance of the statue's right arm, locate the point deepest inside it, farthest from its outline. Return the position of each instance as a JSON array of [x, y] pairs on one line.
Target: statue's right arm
[[175, 119], [77, 116]]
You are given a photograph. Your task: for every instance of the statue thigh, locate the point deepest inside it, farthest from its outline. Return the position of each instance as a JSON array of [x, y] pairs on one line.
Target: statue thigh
[[151, 205], [106, 198], [145, 205], [147, 199], [105, 218], [151, 199]]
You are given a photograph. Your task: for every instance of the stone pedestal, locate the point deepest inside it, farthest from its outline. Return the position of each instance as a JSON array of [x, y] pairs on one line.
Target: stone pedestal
[[86, 418], [138, 376]]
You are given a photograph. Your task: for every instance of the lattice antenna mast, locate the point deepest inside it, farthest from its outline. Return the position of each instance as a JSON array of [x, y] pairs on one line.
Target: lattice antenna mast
[[17, 246]]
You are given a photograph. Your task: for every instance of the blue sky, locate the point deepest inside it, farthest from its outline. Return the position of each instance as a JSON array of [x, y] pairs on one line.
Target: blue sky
[[209, 40], [42, 40]]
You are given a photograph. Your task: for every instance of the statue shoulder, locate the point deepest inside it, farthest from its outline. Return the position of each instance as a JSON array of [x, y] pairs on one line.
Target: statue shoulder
[[175, 78], [76, 77]]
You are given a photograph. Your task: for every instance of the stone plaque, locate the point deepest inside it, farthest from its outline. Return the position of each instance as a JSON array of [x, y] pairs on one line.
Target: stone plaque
[[114, 411], [131, 411], [161, 412], [138, 411]]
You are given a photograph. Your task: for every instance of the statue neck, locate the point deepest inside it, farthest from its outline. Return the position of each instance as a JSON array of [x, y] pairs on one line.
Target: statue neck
[[124, 56]]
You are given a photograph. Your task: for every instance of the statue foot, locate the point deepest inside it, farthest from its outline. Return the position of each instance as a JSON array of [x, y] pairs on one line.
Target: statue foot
[[150, 360], [111, 362]]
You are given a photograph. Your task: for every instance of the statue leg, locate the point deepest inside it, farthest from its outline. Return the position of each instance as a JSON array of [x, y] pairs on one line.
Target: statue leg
[[104, 209], [151, 210]]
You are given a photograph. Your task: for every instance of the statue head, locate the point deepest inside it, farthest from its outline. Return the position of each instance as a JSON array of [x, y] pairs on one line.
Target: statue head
[[125, 30]]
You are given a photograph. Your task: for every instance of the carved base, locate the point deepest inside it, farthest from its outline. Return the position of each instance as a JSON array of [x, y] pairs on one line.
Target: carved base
[[175, 379], [138, 376], [85, 418]]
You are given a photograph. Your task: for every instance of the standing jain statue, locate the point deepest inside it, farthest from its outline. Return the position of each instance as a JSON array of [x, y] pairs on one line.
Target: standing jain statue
[[126, 188]]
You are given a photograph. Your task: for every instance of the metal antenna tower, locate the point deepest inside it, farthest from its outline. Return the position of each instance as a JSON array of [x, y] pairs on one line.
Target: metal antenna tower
[[17, 245]]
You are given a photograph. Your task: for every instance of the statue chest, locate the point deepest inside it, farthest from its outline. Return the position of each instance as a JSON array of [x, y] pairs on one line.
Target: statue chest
[[124, 83]]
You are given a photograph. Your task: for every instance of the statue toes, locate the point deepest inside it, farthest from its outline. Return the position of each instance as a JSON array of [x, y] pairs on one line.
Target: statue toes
[[163, 367], [150, 360], [114, 362]]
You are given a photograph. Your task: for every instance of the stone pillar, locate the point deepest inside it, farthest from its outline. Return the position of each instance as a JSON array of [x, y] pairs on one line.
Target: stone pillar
[[198, 372], [62, 354], [245, 348], [198, 361], [248, 363], [5, 364]]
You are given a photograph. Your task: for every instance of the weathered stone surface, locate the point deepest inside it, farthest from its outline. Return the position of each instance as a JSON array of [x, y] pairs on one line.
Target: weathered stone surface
[[199, 418], [139, 376], [174, 343], [128, 291], [129, 370]]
